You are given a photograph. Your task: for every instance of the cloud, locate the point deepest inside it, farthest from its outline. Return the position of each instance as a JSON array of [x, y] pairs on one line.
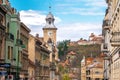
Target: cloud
[[32, 17], [35, 20], [77, 30]]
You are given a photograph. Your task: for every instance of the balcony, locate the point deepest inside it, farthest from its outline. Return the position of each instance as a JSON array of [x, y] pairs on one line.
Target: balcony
[[37, 63], [19, 42], [104, 47], [38, 43], [52, 66], [106, 24], [9, 36], [115, 40]]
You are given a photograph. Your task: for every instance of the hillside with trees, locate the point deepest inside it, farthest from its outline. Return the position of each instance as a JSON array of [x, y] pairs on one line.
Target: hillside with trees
[[81, 50]]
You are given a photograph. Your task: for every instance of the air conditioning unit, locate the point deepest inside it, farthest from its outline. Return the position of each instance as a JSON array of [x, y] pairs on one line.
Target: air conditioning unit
[[104, 47]]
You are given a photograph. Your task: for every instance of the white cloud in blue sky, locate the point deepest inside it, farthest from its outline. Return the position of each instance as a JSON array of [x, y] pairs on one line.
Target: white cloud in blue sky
[[74, 18]]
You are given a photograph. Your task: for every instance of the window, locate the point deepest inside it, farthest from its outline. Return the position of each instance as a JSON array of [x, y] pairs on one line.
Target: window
[[18, 34], [97, 79], [11, 52], [19, 56], [97, 72], [7, 30], [8, 52]]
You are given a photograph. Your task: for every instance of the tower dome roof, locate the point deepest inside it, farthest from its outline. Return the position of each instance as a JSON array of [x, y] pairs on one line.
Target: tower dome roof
[[50, 15]]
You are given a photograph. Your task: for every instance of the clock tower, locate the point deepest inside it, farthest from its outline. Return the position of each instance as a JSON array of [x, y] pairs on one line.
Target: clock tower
[[49, 30]]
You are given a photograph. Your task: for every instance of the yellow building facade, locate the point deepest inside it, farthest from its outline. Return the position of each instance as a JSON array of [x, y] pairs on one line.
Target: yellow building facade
[[92, 68], [39, 56], [83, 69], [24, 35]]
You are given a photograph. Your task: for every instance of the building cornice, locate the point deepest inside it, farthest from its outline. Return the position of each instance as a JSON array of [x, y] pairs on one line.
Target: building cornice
[[49, 28], [24, 26]]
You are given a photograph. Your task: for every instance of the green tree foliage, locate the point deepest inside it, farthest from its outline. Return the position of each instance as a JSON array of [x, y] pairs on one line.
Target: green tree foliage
[[63, 47], [85, 50], [66, 77], [81, 50]]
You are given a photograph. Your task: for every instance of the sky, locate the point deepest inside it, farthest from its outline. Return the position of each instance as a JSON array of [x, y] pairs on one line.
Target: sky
[[74, 19]]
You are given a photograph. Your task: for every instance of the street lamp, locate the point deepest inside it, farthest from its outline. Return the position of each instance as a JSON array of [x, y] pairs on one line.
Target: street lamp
[[52, 63]]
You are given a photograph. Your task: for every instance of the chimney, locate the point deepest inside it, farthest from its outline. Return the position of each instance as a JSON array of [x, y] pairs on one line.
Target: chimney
[[37, 35]]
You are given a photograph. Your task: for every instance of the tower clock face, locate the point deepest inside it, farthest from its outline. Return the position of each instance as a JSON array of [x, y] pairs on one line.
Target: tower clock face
[[50, 33]]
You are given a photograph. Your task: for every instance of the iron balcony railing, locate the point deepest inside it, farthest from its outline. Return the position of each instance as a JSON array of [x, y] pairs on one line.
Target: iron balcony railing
[[9, 36], [19, 42]]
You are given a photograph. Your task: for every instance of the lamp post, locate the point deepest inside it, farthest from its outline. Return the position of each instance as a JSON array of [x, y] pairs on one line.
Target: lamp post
[[52, 63]]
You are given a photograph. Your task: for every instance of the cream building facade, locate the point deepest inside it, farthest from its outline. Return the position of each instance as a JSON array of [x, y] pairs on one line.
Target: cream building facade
[[111, 45]]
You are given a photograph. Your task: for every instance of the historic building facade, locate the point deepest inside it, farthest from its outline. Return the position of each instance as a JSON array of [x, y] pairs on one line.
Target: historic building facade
[[39, 55], [24, 36], [2, 37], [111, 45], [2, 32], [92, 68], [13, 43]]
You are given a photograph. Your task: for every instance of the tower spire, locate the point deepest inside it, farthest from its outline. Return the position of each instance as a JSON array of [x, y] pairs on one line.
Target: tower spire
[[49, 9], [50, 6]]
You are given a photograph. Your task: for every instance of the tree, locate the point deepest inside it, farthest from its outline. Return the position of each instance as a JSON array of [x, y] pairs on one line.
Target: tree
[[63, 47], [66, 77]]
